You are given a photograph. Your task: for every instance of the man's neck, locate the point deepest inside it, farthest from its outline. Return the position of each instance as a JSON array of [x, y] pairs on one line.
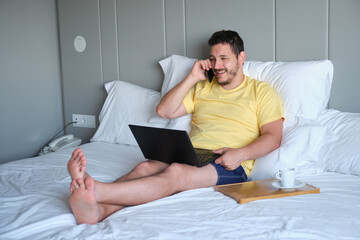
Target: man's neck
[[237, 81]]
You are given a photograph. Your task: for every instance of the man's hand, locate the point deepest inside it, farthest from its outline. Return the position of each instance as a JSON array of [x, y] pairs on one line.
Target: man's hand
[[268, 141], [171, 105], [231, 158], [199, 68]]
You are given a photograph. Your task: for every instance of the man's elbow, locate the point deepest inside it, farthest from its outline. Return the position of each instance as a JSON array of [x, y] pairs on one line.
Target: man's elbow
[[277, 142], [277, 145], [160, 111]]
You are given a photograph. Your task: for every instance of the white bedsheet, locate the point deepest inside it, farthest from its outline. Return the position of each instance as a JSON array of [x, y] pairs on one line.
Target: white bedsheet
[[34, 194]]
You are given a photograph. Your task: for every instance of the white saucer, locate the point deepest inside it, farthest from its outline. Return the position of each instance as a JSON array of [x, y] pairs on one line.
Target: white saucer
[[297, 184]]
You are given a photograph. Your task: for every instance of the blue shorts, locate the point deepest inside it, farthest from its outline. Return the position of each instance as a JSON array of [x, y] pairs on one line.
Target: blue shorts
[[229, 176]]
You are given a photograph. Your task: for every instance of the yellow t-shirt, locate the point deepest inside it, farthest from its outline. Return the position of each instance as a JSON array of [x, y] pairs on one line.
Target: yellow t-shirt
[[231, 118]]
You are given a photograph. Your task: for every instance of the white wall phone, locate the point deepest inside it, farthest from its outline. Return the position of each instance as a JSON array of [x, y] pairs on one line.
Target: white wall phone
[[65, 141]]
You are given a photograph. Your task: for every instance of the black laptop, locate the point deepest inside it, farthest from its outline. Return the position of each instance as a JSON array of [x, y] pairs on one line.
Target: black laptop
[[170, 146]]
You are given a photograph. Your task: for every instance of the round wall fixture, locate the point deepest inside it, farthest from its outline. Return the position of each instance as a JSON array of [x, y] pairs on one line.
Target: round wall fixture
[[80, 44]]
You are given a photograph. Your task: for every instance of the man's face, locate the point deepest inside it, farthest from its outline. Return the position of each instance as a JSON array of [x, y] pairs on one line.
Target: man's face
[[224, 63]]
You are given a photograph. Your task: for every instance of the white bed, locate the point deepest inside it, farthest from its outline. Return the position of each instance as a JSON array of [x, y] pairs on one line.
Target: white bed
[[322, 145]]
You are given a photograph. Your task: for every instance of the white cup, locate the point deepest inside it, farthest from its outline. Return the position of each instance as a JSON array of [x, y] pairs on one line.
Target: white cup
[[287, 177]]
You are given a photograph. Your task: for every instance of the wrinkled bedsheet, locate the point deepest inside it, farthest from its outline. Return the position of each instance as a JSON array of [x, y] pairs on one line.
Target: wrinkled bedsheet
[[34, 194]]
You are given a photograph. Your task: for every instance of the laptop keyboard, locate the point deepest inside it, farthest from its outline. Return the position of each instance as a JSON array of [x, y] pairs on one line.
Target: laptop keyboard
[[206, 156]]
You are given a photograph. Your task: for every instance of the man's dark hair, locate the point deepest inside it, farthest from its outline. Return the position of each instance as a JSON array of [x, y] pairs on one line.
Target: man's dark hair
[[230, 37]]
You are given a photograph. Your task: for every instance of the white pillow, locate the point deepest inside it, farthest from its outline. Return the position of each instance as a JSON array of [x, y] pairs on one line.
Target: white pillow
[[175, 69], [181, 123], [303, 86], [344, 155], [303, 148], [126, 104]]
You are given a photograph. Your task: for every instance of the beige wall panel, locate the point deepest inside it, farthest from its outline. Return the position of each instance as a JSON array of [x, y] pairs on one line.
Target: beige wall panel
[[141, 36], [344, 52], [81, 71], [108, 31], [301, 30], [175, 27], [30, 79], [253, 20]]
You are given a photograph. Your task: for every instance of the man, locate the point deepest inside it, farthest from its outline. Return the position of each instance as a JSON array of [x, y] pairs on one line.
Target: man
[[238, 117]]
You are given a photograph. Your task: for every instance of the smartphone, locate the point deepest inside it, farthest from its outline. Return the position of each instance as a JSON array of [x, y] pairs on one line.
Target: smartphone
[[210, 74]]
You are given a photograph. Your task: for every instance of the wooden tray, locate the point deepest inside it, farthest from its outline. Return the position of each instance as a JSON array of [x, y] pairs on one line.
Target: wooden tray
[[256, 190]]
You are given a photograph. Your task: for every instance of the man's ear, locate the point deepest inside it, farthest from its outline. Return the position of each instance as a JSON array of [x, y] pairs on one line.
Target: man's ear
[[242, 57]]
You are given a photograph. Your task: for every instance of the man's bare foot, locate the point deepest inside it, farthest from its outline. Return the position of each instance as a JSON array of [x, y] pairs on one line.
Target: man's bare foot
[[83, 202], [77, 165], [74, 185]]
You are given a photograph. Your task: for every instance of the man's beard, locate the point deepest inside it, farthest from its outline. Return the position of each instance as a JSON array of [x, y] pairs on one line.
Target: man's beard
[[232, 74]]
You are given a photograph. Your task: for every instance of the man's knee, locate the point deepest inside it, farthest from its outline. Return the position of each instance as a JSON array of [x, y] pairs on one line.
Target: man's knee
[[144, 168], [176, 172], [149, 167]]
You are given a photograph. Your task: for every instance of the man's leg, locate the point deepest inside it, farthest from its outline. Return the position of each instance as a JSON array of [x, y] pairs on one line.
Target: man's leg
[[92, 204], [144, 169], [77, 169], [175, 178]]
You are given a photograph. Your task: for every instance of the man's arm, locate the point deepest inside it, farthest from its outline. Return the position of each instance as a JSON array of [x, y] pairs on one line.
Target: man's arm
[[171, 105], [268, 141]]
